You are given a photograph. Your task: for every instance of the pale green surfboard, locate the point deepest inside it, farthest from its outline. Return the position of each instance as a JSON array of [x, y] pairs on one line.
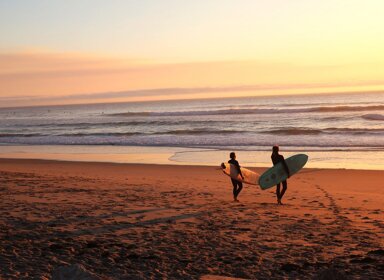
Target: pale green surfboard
[[277, 173]]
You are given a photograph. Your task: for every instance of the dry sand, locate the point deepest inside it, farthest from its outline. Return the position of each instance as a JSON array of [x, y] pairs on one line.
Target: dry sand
[[125, 221]]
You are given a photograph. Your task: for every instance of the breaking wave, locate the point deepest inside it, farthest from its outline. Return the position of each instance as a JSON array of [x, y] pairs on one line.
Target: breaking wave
[[322, 109], [373, 117], [309, 131]]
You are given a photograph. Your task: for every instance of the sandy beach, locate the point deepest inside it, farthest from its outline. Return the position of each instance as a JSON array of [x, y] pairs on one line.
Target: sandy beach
[[132, 221]]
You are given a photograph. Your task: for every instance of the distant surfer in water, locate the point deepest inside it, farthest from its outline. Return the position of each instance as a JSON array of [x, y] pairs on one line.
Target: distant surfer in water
[[276, 158], [237, 185]]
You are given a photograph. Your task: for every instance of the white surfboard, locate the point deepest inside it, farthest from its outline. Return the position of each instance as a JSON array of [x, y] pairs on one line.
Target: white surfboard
[[250, 177]]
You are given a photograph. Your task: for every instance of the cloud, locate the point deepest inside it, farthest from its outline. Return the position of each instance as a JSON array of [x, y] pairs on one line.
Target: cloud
[[49, 78], [209, 90], [14, 98], [175, 93]]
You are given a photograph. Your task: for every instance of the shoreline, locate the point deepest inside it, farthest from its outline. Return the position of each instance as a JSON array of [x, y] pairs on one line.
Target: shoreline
[[354, 160], [4, 160]]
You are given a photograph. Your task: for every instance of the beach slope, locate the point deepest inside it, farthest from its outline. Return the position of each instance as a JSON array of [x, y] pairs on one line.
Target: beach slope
[[137, 221]]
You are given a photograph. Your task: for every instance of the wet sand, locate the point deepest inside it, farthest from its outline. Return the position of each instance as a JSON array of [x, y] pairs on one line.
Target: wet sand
[[132, 221]]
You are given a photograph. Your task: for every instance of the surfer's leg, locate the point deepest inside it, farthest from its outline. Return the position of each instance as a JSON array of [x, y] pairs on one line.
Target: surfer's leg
[[283, 190], [240, 184], [234, 184], [278, 193]]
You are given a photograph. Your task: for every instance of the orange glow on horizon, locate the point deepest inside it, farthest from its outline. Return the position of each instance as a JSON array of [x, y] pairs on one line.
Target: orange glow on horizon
[[59, 79]]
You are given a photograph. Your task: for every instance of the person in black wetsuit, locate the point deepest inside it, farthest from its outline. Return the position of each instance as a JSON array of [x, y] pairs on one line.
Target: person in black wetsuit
[[276, 158], [237, 185]]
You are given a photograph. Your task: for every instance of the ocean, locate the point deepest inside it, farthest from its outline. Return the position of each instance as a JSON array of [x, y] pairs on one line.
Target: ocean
[[336, 130]]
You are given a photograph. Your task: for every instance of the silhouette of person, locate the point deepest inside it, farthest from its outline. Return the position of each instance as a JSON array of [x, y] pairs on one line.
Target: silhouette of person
[[276, 158], [237, 185]]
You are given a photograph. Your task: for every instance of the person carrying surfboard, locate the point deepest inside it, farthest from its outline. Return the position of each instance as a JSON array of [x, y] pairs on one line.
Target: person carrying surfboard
[[276, 158], [237, 185]]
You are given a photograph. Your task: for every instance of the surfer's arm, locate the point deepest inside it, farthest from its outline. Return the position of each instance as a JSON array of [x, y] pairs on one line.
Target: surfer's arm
[[286, 168], [241, 175], [239, 169]]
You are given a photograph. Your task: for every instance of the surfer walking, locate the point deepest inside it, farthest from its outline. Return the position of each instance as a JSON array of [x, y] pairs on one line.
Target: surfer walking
[[276, 158], [237, 185]]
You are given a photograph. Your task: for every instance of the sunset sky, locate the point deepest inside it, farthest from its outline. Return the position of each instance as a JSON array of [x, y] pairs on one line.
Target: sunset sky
[[87, 51]]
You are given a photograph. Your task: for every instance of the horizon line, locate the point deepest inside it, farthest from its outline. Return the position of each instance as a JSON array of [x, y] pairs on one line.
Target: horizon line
[[203, 98]]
